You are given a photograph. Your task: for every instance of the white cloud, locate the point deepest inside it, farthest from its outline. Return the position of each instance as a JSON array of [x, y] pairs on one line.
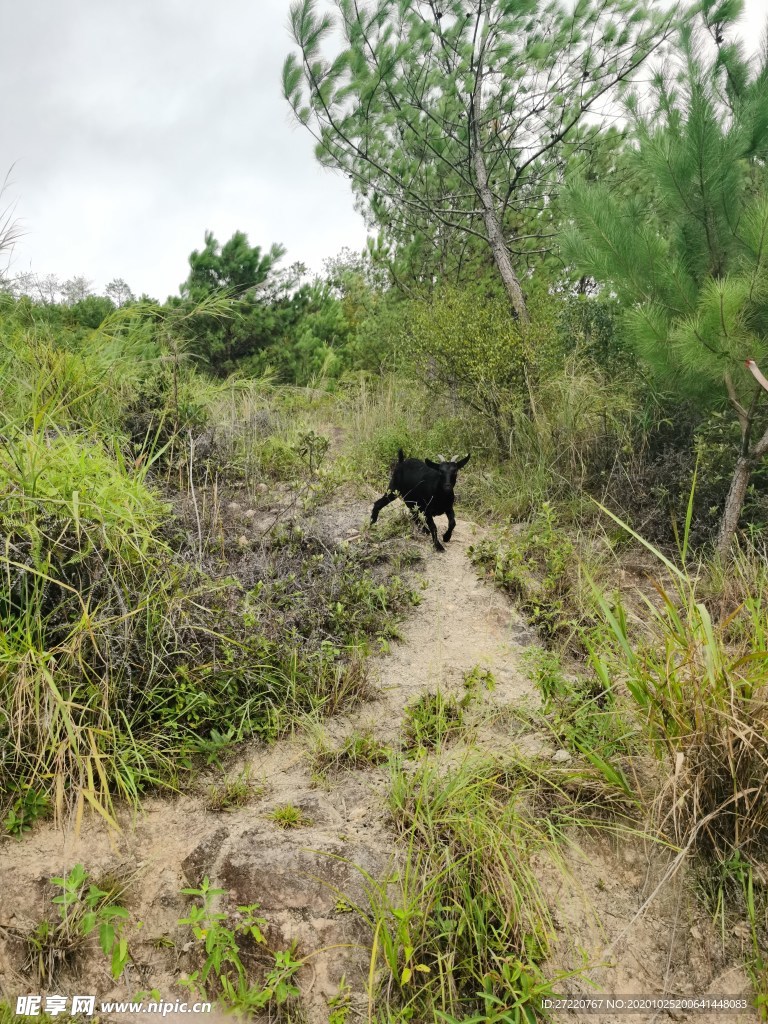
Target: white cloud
[[134, 127]]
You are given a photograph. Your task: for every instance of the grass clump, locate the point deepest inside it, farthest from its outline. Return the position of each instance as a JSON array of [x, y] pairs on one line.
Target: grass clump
[[704, 710], [233, 793], [461, 931], [700, 692], [289, 816], [86, 600], [358, 750], [431, 720], [381, 418]]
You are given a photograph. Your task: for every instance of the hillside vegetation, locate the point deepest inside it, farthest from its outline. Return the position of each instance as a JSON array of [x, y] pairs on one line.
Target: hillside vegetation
[[187, 575]]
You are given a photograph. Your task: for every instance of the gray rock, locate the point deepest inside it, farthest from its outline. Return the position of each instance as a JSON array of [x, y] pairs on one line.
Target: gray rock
[[202, 859]]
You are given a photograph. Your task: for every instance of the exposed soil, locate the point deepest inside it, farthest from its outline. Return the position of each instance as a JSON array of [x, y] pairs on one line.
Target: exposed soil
[[298, 876]]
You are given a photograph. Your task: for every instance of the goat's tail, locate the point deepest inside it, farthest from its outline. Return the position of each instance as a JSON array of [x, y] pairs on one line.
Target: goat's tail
[[400, 455]]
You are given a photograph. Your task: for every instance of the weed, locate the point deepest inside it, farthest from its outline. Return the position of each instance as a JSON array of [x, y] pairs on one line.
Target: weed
[[477, 680], [233, 793], [289, 816], [340, 1003], [83, 909], [431, 720], [213, 745], [358, 750], [26, 809], [582, 710], [461, 927], [234, 949], [313, 447], [545, 572]]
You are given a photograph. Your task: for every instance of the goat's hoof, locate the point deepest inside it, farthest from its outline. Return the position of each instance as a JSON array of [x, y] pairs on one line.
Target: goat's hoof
[[446, 537], [439, 547]]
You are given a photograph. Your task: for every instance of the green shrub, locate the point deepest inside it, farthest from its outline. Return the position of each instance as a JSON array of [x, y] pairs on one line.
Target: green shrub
[[542, 568], [469, 346]]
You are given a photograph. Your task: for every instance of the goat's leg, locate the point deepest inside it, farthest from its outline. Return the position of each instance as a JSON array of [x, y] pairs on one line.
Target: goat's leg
[[417, 520], [384, 500], [433, 533], [451, 525]]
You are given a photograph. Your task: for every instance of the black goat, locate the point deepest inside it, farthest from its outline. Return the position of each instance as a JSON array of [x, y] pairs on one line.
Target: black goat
[[425, 487]]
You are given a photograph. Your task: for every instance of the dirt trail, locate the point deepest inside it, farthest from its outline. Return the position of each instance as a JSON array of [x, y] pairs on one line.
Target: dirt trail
[[298, 876], [460, 623]]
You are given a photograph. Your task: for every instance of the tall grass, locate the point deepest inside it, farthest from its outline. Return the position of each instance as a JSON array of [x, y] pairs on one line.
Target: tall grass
[[119, 656], [699, 685], [89, 604], [384, 414], [461, 929]]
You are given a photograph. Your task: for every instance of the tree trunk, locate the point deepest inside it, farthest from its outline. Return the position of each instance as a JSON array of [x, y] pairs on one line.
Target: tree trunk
[[495, 235], [733, 505], [747, 461]]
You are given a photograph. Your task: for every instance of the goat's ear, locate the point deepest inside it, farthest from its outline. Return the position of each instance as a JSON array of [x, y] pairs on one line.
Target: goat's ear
[[462, 462], [431, 464]]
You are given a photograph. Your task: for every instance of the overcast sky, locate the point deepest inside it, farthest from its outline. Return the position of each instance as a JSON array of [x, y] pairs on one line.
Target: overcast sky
[[135, 126]]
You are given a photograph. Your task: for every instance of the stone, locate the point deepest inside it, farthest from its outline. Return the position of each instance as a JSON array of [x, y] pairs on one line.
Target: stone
[[200, 862]]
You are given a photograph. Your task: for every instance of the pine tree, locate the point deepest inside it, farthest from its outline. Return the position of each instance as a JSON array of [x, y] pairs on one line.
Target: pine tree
[[686, 250], [453, 117]]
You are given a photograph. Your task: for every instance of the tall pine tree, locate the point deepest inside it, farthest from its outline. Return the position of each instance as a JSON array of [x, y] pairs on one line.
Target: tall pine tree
[[687, 250], [453, 117]]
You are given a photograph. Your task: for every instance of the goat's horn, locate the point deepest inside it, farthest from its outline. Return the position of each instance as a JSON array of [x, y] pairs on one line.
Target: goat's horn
[[441, 458], [454, 458]]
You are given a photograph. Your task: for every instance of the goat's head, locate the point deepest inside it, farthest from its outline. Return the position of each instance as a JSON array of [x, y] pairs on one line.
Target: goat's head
[[448, 469]]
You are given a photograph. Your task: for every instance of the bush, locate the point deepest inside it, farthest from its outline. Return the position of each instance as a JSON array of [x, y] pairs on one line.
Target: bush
[[472, 349]]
